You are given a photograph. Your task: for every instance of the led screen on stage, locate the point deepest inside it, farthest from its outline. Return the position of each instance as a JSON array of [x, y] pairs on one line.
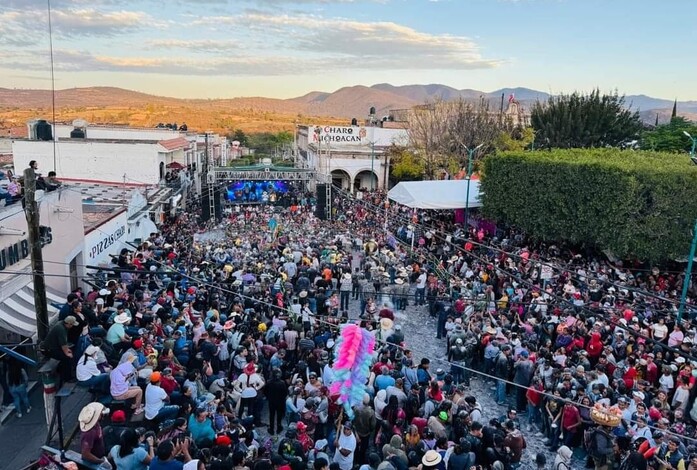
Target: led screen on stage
[[256, 191]]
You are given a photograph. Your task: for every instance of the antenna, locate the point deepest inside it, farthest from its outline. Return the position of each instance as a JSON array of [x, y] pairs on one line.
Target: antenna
[[53, 82]]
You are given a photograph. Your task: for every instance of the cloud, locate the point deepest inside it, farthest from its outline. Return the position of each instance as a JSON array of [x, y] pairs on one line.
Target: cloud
[[26, 26], [70, 60], [385, 45], [195, 45]]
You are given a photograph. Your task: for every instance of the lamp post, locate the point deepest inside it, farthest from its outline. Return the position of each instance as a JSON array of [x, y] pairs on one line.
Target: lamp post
[[372, 166], [693, 246], [470, 161], [688, 274], [694, 144]]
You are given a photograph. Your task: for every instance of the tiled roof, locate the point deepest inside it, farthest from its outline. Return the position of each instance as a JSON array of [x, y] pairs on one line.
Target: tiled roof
[[175, 144]]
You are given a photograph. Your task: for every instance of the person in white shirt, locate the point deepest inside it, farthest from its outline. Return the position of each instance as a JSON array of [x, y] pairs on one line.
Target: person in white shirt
[[88, 374], [345, 445], [248, 384], [155, 398], [421, 288]]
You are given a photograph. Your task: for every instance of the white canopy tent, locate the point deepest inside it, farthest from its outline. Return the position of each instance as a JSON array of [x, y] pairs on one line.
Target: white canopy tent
[[445, 194]]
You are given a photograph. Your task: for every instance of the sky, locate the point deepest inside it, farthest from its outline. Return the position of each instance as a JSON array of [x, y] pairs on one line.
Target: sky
[[283, 48]]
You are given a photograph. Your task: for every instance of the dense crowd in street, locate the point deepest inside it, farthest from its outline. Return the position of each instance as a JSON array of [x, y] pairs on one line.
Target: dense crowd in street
[[217, 341]]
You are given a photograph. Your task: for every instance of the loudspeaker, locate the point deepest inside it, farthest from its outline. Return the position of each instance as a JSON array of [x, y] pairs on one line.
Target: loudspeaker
[[321, 207], [205, 205]]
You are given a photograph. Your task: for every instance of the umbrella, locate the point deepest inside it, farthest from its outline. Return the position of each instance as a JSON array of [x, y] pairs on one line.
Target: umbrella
[[249, 277], [175, 165]]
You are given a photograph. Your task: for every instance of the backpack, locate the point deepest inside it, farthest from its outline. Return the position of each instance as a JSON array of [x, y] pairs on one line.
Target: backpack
[[590, 442]]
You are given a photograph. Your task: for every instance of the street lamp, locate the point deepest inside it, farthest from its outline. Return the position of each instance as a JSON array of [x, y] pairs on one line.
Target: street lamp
[[694, 146], [372, 166], [470, 161], [693, 246]]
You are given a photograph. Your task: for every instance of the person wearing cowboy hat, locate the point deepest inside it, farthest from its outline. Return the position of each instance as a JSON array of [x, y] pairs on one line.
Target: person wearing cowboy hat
[[116, 335], [92, 447]]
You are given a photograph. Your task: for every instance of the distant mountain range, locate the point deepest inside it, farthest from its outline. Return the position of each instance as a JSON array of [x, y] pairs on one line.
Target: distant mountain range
[[345, 103]]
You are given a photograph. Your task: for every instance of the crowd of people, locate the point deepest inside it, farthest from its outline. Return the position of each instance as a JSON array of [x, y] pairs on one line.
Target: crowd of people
[[213, 348]]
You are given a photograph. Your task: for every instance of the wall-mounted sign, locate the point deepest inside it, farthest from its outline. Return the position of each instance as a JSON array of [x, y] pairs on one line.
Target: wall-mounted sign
[[105, 241], [338, 134], [18, 251]]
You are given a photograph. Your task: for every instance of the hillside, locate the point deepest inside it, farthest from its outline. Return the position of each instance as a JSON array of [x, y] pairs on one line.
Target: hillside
[[254, 114]]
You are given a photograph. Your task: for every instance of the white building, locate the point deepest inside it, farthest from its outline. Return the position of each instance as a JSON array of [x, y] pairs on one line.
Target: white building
[[115, 217], [122, 155], [61, 212], [355, 156]]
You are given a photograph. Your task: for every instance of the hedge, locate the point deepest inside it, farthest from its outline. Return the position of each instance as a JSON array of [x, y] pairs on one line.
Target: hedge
[[637, 204]]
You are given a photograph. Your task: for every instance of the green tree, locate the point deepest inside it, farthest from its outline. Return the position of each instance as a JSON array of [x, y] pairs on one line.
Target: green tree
[[636, 204], [519, 139], [583, 121], [240, 136], [268, 143], [670, 137], [405, 165]]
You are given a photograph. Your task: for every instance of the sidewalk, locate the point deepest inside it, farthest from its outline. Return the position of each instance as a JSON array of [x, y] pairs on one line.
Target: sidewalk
[[23, 437]]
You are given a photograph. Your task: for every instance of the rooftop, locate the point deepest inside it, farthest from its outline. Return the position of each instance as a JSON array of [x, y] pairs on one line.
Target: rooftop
[[94, 216]]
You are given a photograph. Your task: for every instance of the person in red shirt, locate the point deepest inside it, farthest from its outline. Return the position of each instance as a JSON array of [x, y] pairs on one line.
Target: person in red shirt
[[651, 369], [630, 373], [167, 381], [570, 423], [534, 397], [594, 347]]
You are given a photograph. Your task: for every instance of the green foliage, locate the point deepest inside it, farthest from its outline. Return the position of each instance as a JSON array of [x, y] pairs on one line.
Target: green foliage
[[670, 137], [518, 140], [266, 143], [634, 203], [584, 121], [240, 136], [405, 165]]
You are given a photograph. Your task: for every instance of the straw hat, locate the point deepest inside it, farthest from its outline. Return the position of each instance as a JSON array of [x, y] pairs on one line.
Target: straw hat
[[431, 458], [121, 318], [89, 416], [386, 323]]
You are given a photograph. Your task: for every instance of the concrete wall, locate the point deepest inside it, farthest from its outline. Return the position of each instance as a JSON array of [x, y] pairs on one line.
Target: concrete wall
[[106, 240], [120, 133], [92, 161], [67, 231]]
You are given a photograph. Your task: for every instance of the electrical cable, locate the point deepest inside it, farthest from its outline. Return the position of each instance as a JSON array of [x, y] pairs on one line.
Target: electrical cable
[[592, 313], [332, 325]]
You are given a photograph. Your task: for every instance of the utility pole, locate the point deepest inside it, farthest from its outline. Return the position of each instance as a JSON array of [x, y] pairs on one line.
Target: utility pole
[[37, 259]]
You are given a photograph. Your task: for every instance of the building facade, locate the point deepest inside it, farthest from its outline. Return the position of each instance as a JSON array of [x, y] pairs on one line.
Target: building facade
[[352, 157], [60, 217]]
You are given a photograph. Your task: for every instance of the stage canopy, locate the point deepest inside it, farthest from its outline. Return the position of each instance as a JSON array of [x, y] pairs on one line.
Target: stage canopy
[[445, 194]]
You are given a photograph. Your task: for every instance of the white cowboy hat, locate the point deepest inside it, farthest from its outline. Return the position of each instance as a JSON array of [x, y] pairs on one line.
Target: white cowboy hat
[[122, 318], [431, 458], [399, 281], [386, 324], [347, 276], [89, 416]]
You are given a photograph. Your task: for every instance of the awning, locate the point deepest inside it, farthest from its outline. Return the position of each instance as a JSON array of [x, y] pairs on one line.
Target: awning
[[445, 194], [17, 312]]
